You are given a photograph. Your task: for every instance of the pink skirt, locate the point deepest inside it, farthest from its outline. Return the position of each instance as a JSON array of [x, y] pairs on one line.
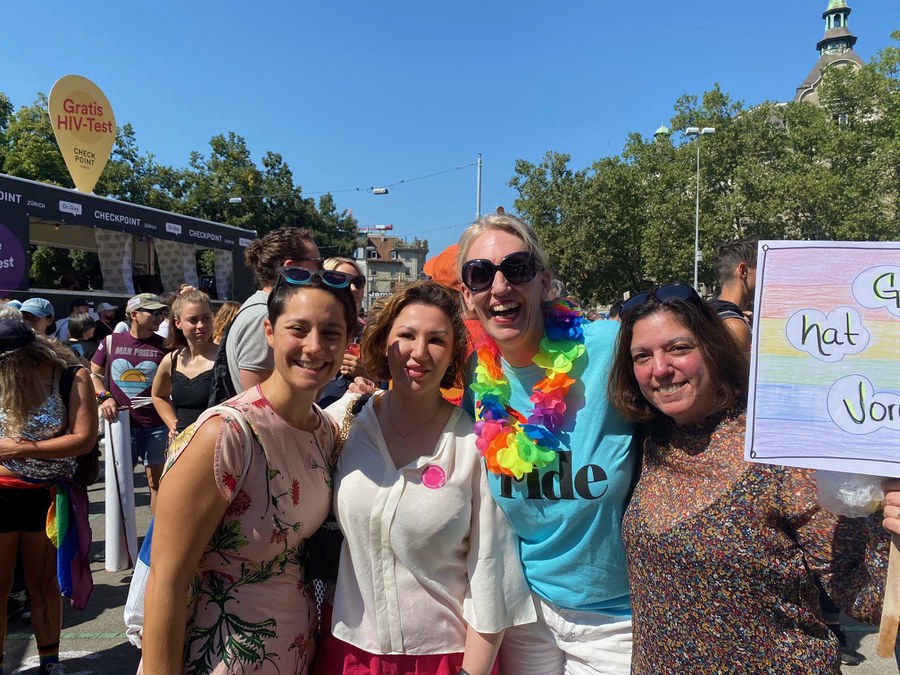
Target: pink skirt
[[336, 657]]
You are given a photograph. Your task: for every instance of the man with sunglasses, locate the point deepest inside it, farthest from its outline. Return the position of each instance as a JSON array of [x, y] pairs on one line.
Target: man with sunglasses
[[249, 356], [122, 370]]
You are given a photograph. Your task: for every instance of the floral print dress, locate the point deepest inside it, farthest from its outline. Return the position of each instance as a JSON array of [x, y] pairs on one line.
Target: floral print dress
[[249, 609]]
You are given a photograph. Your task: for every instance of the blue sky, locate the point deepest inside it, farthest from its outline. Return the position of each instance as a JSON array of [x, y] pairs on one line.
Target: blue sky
[[361, 94]]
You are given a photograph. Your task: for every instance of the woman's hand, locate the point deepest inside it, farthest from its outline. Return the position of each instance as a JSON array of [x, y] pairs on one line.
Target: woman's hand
[[14, 447], [362, 386], [350, 366], [891, 505]]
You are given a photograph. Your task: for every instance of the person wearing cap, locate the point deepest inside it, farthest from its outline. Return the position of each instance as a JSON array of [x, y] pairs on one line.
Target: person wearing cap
[[123, 368], [106, 321], [38, 315], [41, 434], [78, 306]]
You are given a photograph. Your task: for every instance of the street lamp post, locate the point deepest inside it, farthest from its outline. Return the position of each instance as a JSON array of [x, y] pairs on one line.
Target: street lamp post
[[698, 132]]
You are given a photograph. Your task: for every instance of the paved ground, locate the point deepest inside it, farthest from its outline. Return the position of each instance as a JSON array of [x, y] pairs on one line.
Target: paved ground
[[93, 641]]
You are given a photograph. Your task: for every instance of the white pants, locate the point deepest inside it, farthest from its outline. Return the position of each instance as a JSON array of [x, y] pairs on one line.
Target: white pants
[[567, 642]]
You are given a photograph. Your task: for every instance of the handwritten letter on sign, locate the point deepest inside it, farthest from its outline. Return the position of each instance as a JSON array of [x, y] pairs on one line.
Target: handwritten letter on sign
[[825, 368]]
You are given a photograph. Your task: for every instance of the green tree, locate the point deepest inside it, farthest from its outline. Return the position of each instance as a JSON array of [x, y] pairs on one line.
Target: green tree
[[30, 147]]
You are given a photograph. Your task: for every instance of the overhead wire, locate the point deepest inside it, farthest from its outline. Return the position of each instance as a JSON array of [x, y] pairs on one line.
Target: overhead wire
[[402, 181]]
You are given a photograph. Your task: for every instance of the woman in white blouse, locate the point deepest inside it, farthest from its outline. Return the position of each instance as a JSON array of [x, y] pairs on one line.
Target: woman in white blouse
[[429, 576]]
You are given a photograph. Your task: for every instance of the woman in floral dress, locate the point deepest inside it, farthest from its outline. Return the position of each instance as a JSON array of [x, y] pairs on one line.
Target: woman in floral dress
[[225, 593]]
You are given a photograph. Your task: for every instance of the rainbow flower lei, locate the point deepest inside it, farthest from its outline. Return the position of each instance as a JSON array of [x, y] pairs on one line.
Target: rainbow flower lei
[[511, 443]]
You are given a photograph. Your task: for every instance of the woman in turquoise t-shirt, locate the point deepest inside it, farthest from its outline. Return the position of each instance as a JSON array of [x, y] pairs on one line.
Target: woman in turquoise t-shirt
[[560, 459]]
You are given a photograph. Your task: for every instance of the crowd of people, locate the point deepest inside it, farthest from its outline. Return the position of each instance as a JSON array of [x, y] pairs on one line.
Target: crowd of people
[[582, 507]]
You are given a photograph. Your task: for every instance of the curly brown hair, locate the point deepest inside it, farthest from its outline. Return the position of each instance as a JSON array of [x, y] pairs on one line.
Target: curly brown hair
[[263, 256], [373, 349]]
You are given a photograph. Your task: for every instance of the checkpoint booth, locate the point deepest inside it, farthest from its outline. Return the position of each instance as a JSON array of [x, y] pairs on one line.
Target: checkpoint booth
[[131, 241]]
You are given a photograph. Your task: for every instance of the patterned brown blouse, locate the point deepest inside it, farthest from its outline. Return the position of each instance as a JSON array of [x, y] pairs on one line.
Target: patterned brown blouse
[[721, 554]]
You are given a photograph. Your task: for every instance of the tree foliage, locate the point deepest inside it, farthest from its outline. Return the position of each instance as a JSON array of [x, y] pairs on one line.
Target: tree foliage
[[773, 170]]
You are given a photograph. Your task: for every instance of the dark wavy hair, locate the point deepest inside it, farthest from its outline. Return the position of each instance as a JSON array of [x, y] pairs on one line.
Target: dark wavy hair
[[728, 363], [284, 291], [264, 255], [374, 344], [731, 254]]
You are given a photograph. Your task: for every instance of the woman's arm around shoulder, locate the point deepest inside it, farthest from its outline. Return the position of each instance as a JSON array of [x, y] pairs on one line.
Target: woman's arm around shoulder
[[189, 509]]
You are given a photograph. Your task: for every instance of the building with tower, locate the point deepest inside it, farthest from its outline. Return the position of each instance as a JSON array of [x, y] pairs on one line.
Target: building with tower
[[835, 49]]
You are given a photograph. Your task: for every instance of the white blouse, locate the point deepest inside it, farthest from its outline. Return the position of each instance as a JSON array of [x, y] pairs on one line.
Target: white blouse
[[427, 551]]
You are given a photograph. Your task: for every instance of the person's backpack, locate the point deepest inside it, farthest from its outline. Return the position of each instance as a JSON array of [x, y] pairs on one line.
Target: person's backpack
[[87, 467], [222, 386]]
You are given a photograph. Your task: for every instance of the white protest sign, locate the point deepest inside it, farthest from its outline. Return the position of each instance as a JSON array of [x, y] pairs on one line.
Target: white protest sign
[[825, 367]]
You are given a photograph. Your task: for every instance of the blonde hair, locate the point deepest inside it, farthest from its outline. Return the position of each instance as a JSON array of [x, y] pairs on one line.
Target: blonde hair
[[337, 261], [21, 396], [500, 221], [176, 338], [224, 316]]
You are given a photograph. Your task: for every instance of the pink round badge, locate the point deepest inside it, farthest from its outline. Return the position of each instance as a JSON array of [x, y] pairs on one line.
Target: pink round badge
[[433, 477]]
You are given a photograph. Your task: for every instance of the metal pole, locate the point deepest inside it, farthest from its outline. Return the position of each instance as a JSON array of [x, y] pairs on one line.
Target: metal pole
[[697, 218], [478, 191]]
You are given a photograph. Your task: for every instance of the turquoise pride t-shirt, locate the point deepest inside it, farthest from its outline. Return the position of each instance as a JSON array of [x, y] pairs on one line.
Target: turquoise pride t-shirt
[[568, 515]]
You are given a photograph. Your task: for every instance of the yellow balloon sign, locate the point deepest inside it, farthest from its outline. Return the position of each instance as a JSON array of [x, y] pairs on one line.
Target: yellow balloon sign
[[85, 128]]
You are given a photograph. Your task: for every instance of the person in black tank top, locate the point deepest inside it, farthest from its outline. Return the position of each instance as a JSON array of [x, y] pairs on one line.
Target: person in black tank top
[[181, 386]]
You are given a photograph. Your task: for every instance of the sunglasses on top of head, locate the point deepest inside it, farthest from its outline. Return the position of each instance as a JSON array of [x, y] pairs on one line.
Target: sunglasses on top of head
[[663, 294], [518, 268], [300, 276]]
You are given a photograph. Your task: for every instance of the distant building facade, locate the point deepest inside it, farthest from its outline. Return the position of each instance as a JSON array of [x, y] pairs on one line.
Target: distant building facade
[[388, 263]]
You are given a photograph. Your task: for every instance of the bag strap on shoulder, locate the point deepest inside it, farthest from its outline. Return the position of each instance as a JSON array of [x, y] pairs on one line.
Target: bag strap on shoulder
[[353, 409]]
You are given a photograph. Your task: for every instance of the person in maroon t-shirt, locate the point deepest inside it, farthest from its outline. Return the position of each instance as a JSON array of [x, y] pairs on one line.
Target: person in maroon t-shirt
[[123, 377]]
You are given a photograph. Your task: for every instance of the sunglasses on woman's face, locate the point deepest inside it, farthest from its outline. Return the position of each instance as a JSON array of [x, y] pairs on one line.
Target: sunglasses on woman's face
[[358, 281], [300, 276], [518, 268], [663, 294]]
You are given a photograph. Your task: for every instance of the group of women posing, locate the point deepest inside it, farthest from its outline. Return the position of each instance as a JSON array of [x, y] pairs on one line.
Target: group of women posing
[[499, 536]]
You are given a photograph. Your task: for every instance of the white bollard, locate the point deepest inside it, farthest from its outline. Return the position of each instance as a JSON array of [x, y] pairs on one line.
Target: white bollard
[[121, 530]]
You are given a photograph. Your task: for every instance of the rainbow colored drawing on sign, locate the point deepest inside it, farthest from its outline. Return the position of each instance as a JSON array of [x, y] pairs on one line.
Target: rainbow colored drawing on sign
[[825, 367]]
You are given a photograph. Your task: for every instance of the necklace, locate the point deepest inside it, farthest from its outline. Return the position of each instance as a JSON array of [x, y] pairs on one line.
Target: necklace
[[421, 427], [510, 442]]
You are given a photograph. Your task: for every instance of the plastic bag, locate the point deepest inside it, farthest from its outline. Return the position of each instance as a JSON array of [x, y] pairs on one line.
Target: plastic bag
[[849, 494]]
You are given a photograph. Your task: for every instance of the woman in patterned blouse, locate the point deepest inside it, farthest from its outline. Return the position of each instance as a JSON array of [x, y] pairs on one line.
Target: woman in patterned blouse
[[722, 553]]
